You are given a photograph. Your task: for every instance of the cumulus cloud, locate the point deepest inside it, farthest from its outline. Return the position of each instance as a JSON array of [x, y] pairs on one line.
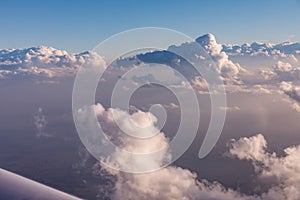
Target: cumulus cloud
[[171, 183], [281, 71], [275, 62], [146, 137], [259, 79], [280, 173], [286, 76], [293, 92], [43, 61], [267, 74], [226, 67], [155, 185], [282, 50], [40, 123], [286, 72]]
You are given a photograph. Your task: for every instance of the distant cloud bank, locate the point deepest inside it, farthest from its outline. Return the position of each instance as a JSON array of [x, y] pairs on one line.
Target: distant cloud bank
[[274, 65]]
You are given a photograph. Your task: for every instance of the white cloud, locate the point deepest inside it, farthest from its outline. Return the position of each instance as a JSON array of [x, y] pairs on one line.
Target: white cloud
[[280, 173], [282, 50], [171, 106], [199, 83], [167, 183], [267, 74], [225, 67], [137, 134], [287, 72], [43, 61], [281, 71], [230, 109], [171, 183], [141, 125], [40, 123], [293, 92]]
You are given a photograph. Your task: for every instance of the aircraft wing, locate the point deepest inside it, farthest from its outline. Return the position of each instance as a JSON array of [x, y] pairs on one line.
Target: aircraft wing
[[15, 187]]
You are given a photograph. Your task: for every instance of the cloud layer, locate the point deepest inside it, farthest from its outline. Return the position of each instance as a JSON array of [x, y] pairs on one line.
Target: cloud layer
[[42, 61], [266, 49]]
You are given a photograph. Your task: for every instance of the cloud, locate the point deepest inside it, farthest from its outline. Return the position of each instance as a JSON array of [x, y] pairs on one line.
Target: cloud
[[267, 74], [139, 124], [279, 173], [250, 148], [284, 71], [282, 50], [293, 92], [226, 67], [40, 123], [287, 77], [43, 61], [230, 109], [48, 62], [158, 184], [171, 106], [170, 183], [259, 79], [251, 89], [198, 84], [83, 158]]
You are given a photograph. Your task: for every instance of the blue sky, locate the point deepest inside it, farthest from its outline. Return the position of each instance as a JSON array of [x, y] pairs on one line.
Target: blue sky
[[80, 25]]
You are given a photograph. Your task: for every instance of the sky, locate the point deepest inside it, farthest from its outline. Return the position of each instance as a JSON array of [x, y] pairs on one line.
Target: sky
[[80, 25]]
